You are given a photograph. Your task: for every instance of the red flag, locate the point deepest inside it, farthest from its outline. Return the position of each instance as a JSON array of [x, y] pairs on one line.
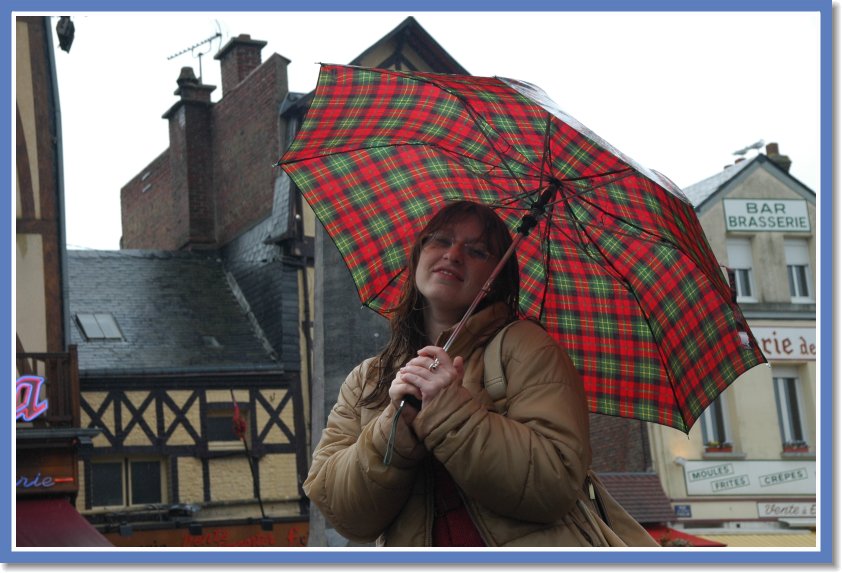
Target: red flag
[[238, 424]]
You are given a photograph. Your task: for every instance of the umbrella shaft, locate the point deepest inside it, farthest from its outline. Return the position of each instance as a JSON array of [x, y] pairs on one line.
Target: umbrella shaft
[[527, 223], [486, 288]]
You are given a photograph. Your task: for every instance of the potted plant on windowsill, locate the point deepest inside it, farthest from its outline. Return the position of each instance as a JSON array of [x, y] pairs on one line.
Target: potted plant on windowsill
[[718, 447], [796, 446]]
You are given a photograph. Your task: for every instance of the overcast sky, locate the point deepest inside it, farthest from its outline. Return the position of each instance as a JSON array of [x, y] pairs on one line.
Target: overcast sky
[[677, 92]]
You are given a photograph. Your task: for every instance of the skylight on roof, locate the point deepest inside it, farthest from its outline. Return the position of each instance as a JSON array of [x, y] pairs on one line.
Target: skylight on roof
[[99, 326]]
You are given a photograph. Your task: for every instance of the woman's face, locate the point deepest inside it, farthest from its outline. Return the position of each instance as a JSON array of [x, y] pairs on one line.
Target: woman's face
[[454, 264]]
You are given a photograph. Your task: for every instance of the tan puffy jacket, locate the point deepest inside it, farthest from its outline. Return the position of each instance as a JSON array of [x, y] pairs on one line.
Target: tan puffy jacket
[[520, 474]]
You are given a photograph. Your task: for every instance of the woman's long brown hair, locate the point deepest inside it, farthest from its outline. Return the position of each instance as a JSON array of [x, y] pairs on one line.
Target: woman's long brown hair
[[407, 319]]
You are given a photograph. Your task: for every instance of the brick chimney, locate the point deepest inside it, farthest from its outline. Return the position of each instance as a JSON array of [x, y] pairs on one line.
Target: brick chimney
[[782, 161], [238, 58], [191, 163]]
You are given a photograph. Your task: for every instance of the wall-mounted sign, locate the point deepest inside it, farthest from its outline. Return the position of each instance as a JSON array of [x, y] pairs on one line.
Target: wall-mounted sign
[[781, 215], [683, 510], [46, 470], [785, 343], [791, 510], [738, 477]]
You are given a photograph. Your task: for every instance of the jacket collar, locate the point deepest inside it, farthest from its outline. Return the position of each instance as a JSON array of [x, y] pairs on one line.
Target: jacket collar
[[478, 330]]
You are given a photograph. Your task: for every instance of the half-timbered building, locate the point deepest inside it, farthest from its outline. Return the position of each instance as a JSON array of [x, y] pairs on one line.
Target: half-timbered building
[[199, 419]]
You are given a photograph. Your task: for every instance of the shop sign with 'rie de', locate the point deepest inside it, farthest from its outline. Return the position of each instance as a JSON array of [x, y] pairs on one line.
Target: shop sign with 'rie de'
[[786, 343]]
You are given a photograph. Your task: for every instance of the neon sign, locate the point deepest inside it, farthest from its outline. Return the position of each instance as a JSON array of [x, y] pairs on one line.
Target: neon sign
[[28, 390], [27, 482]]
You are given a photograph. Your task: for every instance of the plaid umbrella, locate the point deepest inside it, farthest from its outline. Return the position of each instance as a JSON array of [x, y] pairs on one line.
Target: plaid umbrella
[[617, 268]]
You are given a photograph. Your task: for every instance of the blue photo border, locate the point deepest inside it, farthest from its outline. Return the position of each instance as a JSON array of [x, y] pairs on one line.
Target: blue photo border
[[317, 556]]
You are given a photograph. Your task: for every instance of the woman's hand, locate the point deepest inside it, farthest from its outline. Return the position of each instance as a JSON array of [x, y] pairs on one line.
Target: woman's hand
[[419, 380], [399, 389]]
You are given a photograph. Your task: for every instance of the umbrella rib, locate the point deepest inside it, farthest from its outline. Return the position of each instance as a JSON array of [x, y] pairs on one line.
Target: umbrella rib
[[478, 120], [547, 274], [374, 296], [441, 148], [646, 235], [613, 272]]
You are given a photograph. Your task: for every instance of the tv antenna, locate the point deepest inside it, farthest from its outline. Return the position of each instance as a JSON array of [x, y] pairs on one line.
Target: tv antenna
[[198, 50], [756, 145]]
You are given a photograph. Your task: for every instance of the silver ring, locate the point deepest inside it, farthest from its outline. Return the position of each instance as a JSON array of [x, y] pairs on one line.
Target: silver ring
[[433, 365]]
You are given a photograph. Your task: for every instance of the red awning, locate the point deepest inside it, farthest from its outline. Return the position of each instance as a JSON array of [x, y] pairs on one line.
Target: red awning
[[667, 536], [53, 522]]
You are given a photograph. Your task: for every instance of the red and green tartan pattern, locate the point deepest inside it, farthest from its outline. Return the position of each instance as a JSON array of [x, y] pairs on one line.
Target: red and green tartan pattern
[[619, 271]]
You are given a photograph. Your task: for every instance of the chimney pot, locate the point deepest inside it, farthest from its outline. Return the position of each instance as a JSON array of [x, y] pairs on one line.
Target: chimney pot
[[238, 58], [187, 76], [190, 89], [771, 149]]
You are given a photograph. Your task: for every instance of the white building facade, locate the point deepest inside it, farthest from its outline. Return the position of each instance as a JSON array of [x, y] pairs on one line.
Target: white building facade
[[748, 464]]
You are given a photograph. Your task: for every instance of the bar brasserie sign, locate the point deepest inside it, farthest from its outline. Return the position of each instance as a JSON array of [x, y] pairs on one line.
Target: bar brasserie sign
[[766, 215]]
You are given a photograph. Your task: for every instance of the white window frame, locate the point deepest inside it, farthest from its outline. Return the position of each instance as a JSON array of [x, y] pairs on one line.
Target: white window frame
[[710, 425], [797, 255], [740, 258], [782, 376]]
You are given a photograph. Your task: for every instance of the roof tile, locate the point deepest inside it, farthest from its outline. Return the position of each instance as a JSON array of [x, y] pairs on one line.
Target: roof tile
[[641, 494]]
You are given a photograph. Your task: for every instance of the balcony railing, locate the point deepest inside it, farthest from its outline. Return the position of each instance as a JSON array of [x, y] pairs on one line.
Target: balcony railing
[[60, 389]]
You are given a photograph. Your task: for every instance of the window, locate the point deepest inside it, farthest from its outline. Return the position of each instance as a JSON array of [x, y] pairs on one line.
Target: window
[[126, 482], [798, 270], [219, 422], [98, 326], [716, 430], [740, 261], [790, 404]]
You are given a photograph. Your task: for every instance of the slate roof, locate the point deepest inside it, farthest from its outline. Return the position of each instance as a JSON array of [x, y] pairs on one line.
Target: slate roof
[[165, 304], [699, 192], [640, 494]]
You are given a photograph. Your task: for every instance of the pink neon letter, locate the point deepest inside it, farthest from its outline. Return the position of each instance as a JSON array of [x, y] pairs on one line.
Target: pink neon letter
[[28, 389]]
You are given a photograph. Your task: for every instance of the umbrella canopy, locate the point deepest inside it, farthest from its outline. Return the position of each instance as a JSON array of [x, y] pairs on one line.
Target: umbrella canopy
[[617, 268]]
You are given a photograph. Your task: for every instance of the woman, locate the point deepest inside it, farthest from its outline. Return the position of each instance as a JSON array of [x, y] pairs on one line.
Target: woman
[[460, 473]]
